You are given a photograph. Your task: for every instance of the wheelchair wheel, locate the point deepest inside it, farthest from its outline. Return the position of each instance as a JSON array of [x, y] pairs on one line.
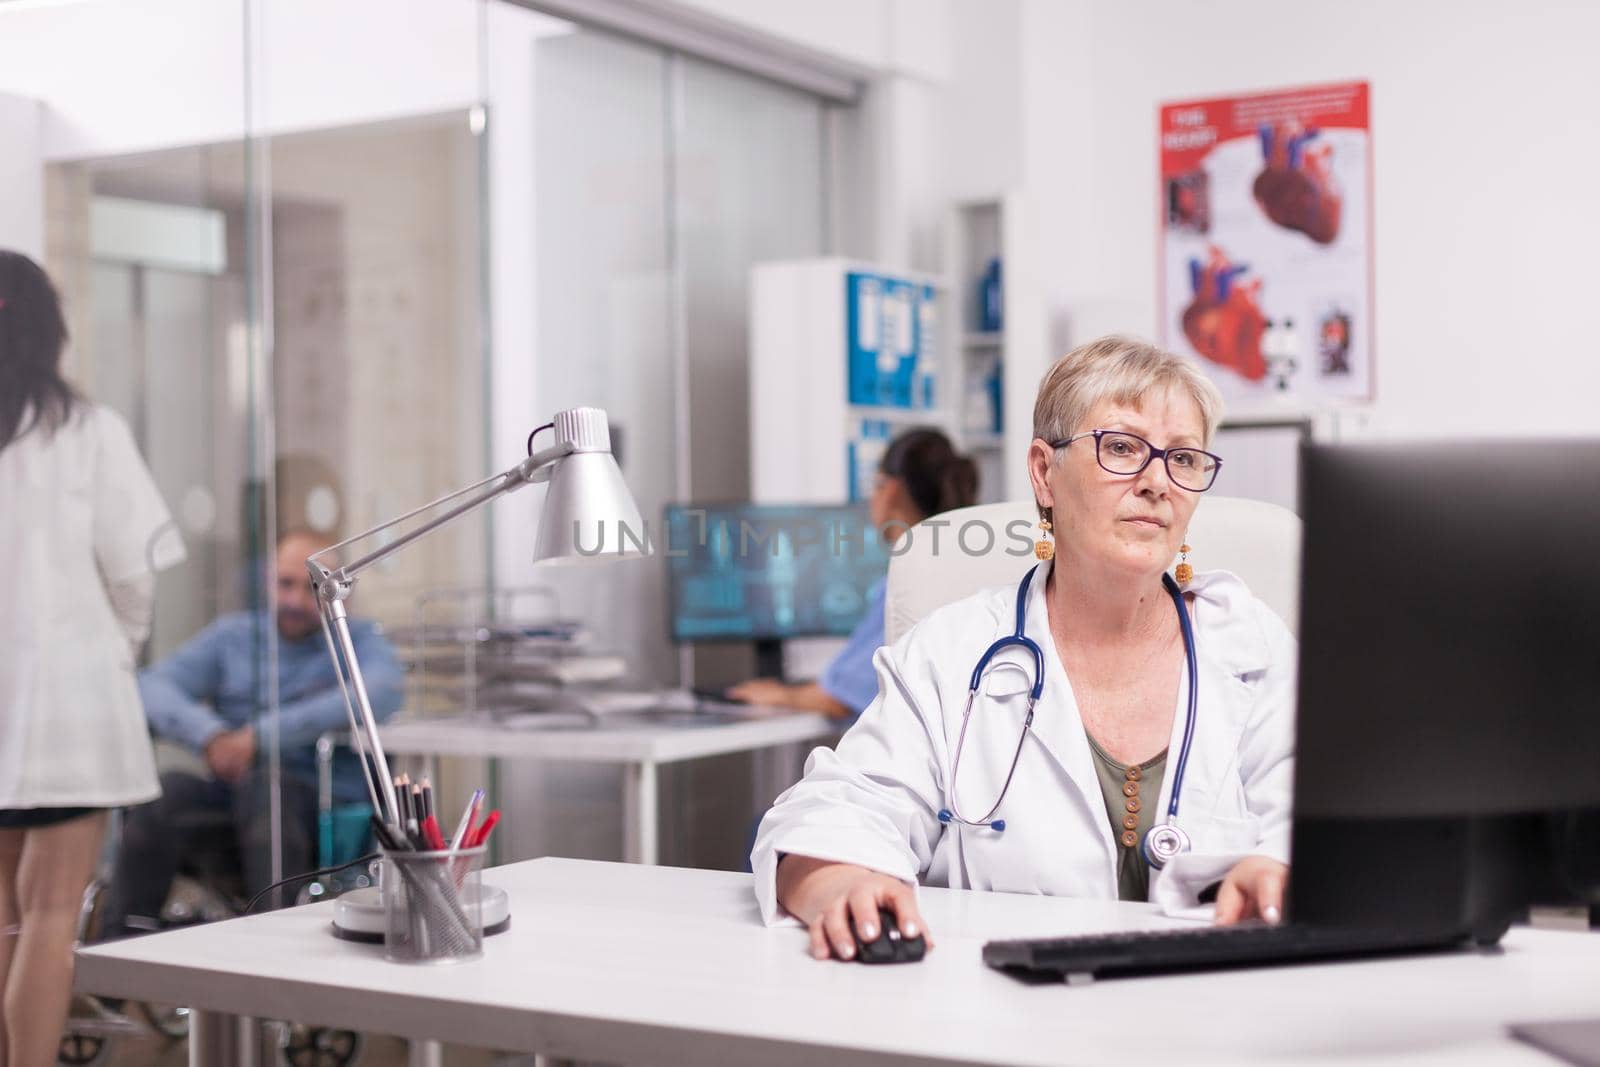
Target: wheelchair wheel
[[171, 1021], [82, 1050], [319, 1046], [89, 908]]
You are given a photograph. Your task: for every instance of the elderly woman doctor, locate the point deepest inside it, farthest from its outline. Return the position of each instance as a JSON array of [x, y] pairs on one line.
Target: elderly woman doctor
[[1124, 738]]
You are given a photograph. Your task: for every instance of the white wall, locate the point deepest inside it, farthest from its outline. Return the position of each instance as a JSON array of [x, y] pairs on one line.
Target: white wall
[[22, 176], [855, 31], [909, 37], [981, 124], [1485, 150], [516, 395], [123, 77], [906, 52], [1485, 156], [905, 196]]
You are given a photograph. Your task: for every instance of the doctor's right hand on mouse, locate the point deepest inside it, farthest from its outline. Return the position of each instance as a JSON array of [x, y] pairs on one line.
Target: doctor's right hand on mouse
[[827, 896]]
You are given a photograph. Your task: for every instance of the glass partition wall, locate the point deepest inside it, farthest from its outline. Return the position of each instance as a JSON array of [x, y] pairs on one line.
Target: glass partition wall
[[283, 299], [149, 214], [658, 181], [378, 381], [315, 255], [330, 264], [156, 291]]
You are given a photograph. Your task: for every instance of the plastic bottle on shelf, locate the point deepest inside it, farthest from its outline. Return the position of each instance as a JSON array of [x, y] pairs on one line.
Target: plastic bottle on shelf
[[975, 414], [991, 306], [996, 390], [926, 395]]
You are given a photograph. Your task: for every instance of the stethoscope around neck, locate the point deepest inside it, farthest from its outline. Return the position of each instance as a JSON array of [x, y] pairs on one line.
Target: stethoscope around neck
[[1164, 840]]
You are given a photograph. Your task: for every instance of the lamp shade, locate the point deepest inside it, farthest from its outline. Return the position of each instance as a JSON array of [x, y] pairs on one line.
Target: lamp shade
[[589, 514]]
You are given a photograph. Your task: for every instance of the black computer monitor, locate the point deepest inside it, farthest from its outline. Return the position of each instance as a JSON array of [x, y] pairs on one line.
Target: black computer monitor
[[1448, 754], [763, 572]]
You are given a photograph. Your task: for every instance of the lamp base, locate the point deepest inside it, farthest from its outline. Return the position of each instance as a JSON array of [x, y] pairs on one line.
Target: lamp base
[[358, 915]]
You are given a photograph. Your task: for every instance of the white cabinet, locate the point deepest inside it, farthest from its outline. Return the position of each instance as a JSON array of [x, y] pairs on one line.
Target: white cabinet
[[843, 356], [846, 354]]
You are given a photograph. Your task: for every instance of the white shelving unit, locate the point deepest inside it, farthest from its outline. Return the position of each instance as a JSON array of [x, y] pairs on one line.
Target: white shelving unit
[[978, 233], [801, 418]]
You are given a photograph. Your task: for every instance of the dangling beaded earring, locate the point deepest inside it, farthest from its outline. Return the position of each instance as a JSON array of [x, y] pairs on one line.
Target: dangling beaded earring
[[1183, 572], [1044, 548]]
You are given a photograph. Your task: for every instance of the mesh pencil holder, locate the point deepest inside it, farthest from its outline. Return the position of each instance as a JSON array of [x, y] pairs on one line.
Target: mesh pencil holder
[[433, 905]]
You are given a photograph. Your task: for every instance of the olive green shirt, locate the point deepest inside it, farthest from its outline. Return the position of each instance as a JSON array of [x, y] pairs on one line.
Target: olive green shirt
[[1133, 873]]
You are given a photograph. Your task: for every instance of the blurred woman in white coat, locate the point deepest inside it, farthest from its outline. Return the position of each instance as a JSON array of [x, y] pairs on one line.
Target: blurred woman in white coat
[[1143, 680], [82, 533]]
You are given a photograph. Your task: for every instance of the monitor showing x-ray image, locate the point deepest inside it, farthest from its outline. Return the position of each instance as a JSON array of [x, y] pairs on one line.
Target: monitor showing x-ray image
[[761, 572]]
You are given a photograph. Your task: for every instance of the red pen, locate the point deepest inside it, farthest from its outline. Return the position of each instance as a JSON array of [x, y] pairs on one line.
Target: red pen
[[483, 832], [430, 832]]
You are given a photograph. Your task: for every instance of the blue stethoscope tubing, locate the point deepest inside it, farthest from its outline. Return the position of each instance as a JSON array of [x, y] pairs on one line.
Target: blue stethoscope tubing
[[1164, 840]]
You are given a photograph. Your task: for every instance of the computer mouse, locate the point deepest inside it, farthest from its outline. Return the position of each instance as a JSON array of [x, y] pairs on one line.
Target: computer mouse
[[890, 946]]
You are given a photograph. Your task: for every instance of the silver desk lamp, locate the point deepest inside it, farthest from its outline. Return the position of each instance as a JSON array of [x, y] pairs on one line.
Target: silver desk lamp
[[588, 515]]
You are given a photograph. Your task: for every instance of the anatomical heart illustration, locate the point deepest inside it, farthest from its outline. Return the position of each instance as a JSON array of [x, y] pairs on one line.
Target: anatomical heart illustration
[[1333, 341], [1223, 321], [1189, 202], [1296, 186], [1264, 269]]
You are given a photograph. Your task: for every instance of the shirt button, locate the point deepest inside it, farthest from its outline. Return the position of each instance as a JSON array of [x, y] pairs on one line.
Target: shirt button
[[1134, 774], [1133, 805], [1129, 839], [1130, 822], [1130, 789]]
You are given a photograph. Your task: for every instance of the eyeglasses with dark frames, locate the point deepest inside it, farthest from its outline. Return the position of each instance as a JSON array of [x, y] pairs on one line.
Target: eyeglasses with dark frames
[[1120, 452]]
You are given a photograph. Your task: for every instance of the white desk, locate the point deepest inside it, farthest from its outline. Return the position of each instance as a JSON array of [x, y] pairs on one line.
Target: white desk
[[640, 748], [631, 964]]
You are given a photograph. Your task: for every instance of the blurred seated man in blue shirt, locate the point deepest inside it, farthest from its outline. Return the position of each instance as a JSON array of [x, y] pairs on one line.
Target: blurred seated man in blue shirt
[[210, 696], [920, 476]]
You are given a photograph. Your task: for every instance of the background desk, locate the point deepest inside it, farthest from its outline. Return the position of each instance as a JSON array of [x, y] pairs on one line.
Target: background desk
[[632, 964], [639, 747]]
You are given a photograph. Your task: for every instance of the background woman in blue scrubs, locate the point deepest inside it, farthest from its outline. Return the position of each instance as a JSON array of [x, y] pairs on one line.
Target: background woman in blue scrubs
[[920, 476]]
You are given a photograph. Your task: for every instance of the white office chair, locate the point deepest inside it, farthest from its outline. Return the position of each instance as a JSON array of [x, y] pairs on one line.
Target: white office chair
[[1259, 542]]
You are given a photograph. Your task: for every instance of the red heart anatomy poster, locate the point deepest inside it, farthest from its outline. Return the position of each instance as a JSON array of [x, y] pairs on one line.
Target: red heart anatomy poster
[[1266, 242]]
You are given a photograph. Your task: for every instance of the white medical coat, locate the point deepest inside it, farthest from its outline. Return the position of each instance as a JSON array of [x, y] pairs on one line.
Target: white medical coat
[[79, 512], [874, 801]]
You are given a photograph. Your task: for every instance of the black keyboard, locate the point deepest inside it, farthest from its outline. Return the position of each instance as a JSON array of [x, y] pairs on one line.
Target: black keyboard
[[1201, 948]]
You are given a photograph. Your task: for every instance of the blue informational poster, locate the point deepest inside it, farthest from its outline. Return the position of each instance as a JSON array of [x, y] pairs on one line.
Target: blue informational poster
[[893, 327]]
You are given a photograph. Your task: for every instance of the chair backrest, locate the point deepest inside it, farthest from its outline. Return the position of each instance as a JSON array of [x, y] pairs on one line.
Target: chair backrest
[[1259, 542]]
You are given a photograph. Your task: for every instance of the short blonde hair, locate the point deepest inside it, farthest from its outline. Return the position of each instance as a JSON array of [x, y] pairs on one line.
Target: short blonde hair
[[1123, 370]]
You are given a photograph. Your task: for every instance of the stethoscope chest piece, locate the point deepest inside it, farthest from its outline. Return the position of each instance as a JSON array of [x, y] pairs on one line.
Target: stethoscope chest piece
[[1162, 843]]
